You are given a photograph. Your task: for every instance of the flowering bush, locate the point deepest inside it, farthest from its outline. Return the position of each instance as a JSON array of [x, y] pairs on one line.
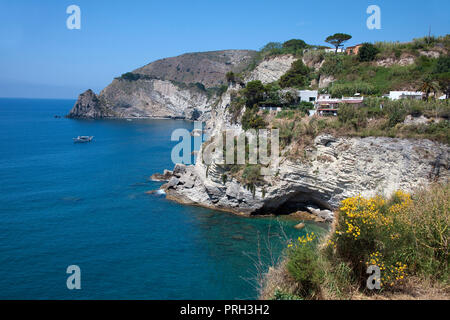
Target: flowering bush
[[401, 236], [303, 264]]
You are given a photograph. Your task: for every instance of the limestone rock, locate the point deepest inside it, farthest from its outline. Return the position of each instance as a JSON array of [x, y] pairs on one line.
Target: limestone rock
[[167, 174], [173, 182], [89, 106], [271, 69], [366, 166], [179, 169]]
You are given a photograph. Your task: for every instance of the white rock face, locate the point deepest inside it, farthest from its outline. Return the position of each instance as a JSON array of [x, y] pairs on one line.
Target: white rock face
[[271, 69], [325, 81], [403, 61], [153, 98], [336, 168]]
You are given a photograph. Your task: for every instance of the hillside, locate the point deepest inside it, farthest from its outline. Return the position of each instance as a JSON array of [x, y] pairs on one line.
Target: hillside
[[181, 87], [208, 68]]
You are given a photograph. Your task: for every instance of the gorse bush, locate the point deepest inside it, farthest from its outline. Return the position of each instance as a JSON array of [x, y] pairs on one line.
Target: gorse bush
[[401, 235], [303, 265], [406, 236]]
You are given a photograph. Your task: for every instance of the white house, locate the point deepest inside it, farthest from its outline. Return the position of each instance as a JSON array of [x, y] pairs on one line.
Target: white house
[[396, 95], [308, 95], [333, 50]]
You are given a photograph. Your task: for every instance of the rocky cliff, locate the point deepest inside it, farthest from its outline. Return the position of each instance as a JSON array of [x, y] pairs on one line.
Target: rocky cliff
[[180, 87], [332, 169]]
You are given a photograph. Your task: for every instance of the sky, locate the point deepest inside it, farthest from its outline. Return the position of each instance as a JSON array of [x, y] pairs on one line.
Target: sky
[[41, 58]]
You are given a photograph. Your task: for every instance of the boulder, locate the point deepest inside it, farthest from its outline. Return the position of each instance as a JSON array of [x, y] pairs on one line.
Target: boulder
[[299, 226], [173, 182], [179, 169], [162, 177], [187, 181]]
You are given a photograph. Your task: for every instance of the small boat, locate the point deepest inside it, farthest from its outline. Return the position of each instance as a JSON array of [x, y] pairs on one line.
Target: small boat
[[81, 139]]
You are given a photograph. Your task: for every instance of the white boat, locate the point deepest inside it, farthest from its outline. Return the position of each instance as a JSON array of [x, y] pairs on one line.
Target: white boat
[[81, 139]]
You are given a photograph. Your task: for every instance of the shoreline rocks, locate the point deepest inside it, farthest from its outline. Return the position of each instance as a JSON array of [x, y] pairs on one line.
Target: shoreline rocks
[[165, 176], [312, 188]]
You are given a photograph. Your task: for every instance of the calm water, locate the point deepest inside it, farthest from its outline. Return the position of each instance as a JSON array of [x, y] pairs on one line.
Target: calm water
[[85, 204]]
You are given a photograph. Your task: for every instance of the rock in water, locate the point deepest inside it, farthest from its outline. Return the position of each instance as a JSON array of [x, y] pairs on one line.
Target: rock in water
[[299, 226], [89, 106]]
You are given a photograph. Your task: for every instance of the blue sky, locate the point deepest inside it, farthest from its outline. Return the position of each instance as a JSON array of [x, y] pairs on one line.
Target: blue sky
[[40, 57]]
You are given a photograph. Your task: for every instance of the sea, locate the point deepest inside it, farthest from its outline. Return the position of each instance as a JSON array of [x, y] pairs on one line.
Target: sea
[[85, 204]]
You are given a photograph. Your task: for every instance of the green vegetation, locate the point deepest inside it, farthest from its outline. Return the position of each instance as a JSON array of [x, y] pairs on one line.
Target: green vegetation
[[406, 236], [372, 120], [131, 76], [303, 265], [369, 79], [293, 46], [230, 76], [367, 52], [252, 120], [296, 76]]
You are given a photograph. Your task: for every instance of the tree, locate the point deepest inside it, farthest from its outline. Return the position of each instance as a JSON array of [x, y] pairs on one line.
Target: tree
[[272, 46], [429, 85], [296, 76], [442, 65], [338, 39], [294, 44], [367, 52], [254, 93]]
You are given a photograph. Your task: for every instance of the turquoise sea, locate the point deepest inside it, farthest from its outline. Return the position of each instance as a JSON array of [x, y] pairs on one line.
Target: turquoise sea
[[67, 204]]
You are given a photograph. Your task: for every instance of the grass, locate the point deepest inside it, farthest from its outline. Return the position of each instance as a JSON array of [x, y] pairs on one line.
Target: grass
[[407, 236]]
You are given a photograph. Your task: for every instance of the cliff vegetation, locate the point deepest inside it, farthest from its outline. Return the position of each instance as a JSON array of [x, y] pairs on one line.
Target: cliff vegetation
[[406, 236]]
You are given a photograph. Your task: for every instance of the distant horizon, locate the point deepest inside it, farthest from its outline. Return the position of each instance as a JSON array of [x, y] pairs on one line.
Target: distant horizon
[[119, 37]]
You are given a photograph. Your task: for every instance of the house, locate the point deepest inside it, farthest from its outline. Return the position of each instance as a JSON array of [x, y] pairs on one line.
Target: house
[[327, 105], [353, 50], [308, 95], [397, 95]]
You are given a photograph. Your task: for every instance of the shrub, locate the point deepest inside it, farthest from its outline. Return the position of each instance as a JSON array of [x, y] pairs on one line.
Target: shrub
[[251, 120], [296, 76], [294, 45], [303, 265], [230, 76], [367, 52], [280, 295], [402, 235], [254, 93], [333, 65]]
